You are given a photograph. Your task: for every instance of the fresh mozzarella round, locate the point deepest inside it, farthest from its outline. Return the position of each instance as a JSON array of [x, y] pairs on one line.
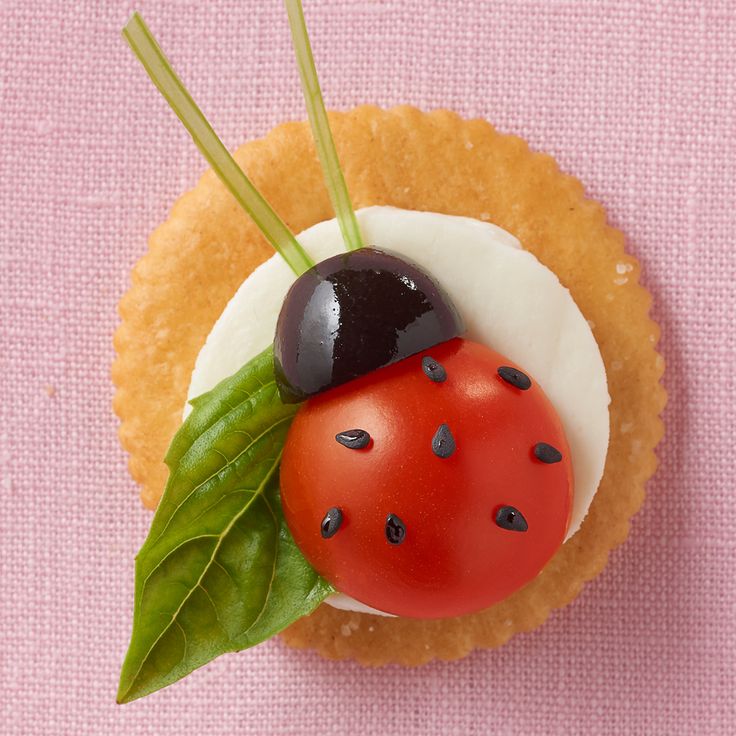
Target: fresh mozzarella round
[[508, 299]]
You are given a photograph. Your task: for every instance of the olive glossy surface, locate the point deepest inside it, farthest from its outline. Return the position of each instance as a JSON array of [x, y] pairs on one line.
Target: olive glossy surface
[[354, 313]]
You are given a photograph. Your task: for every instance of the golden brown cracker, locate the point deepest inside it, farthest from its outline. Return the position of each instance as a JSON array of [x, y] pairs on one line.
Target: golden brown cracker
[[423, 161]]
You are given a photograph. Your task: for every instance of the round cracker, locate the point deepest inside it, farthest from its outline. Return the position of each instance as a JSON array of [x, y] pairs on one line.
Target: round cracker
[[423, 161]]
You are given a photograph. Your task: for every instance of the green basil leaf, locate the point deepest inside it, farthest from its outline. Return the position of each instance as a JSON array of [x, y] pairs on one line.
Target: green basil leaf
[[219, 571]]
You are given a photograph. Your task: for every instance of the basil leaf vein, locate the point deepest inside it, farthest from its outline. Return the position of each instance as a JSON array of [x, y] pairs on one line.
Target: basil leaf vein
[[219, 571]]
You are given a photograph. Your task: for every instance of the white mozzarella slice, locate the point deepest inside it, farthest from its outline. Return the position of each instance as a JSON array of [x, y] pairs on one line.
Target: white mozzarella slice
[[508, 299]]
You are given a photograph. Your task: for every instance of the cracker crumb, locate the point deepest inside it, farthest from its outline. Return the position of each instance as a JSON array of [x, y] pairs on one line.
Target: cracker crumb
[[50, 390]]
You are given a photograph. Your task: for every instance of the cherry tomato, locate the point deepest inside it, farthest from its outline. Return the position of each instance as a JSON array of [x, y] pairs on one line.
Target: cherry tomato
[[433, 487]]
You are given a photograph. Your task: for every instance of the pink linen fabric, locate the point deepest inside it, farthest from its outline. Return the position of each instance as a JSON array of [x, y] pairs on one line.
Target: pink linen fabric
[[635, 97]]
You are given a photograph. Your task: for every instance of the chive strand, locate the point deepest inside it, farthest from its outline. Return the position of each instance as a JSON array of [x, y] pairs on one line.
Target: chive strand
[[323, 140], [149, 53]]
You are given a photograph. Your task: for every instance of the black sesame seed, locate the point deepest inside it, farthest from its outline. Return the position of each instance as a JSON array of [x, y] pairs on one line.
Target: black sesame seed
[[331, 523], [515, 377], [433, 370], [546, 453], [507, 517], [353, 439], [395, 529], [443, 443]]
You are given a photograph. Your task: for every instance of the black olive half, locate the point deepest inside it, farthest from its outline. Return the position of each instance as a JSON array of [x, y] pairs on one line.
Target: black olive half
[[354, 313]]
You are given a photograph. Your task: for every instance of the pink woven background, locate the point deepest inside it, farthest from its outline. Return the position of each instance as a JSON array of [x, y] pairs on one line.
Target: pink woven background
[[636, 98]]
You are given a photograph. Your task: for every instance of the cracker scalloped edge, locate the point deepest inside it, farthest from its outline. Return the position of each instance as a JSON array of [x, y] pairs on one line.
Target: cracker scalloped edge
[[405, 158]]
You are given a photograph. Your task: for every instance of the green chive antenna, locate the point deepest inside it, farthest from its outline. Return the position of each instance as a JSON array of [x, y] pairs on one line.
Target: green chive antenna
[[159, 69], [321, 128]]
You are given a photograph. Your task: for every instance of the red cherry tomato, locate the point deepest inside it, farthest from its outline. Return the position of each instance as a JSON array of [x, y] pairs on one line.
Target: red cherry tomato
[[473, 522]]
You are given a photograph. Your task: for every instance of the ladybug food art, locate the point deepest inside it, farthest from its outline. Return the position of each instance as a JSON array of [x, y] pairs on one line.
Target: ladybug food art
[[425, 475], [402, 414]]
